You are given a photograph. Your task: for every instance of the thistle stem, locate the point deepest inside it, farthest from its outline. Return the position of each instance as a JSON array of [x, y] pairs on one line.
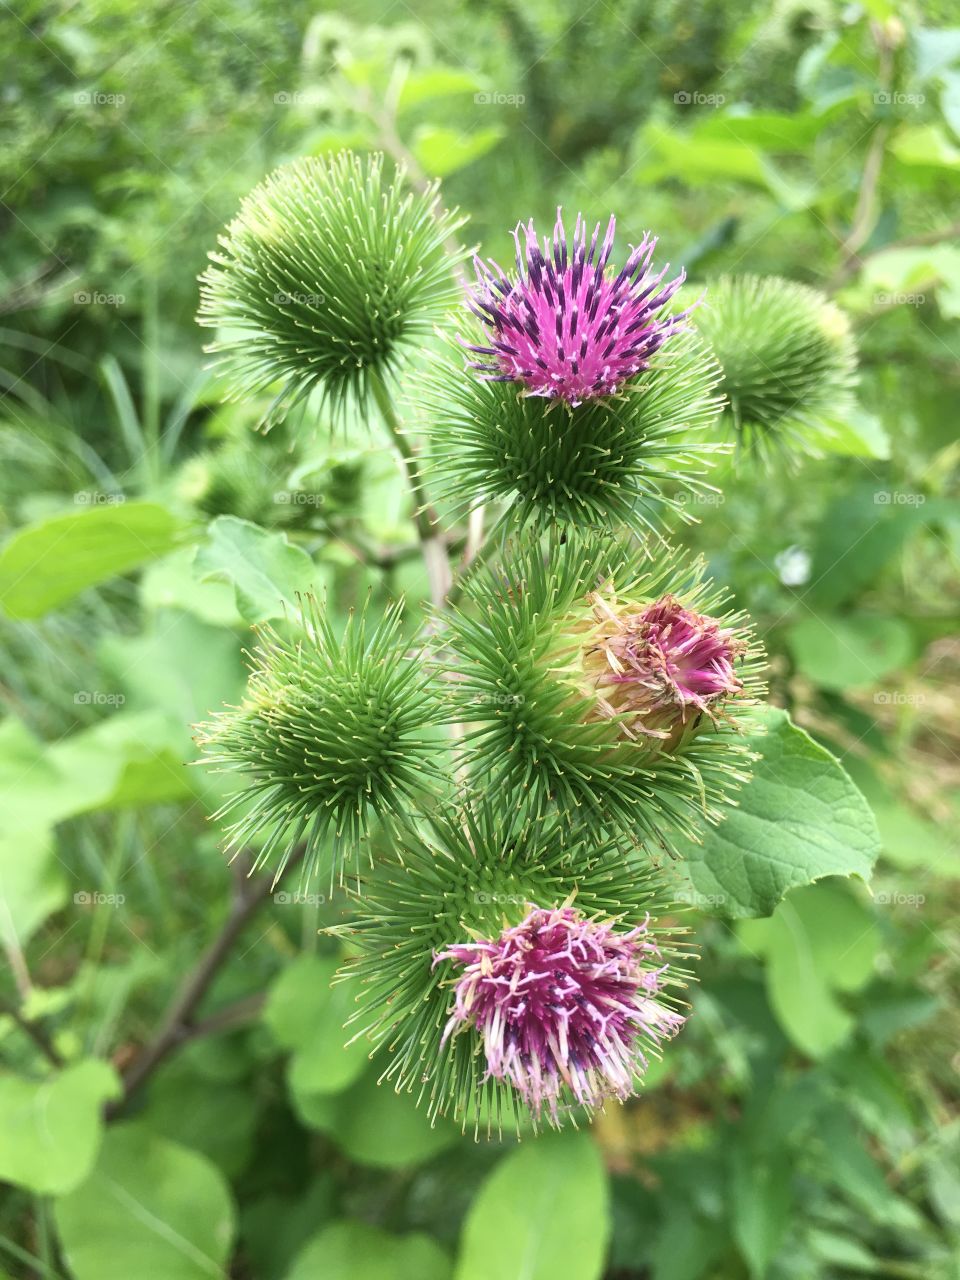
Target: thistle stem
[[425, 518]]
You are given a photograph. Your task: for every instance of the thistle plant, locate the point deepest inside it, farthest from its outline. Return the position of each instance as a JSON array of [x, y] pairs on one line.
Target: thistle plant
[[323, 280], [787, 357], [511, 772]]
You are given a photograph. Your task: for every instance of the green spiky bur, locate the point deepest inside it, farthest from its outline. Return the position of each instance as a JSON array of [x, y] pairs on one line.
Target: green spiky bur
[[333, 732], [533, 730], [326, 276], [618, 460], [788, 360], [470, 872]]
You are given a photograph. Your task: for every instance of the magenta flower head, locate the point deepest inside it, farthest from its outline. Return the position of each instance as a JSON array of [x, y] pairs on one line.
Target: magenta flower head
[[561, 1000], [564, 328], [661, 668]]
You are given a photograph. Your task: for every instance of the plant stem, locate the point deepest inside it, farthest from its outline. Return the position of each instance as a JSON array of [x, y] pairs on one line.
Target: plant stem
[[425, 518], [34, 1031], [179, 1024]]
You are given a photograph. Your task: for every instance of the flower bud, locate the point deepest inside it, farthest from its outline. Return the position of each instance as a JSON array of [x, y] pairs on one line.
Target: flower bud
[[659, 669], [788, 360]]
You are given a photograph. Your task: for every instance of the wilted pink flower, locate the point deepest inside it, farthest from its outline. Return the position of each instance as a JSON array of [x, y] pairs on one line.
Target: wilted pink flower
[[560, 999], [565, 329], [664, 666]]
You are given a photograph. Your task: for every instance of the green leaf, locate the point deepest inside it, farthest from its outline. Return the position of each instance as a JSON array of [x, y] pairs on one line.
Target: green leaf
[[699, 158], [858, 434], [435, 82], [800, 818], [858, 537], [52, 1129], [850, 652], [820, 941], [172, 583], [374, 1125], [49, 562], [266, 571], [32, 884], [761, 1194], [925, 144], [542, 1213], [307, 1014], [150, 1208], [354, 1251], [442, 151]]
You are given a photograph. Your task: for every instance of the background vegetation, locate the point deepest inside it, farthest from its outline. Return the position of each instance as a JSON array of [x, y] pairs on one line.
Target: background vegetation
[[806, 1123]]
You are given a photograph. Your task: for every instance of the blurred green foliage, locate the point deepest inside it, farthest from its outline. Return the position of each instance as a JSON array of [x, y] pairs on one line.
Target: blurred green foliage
[[806, 1124]]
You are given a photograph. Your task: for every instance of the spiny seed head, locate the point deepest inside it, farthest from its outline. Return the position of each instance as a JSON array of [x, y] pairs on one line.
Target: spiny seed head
[[607, 683], [562, 1003], [627, 459], [564, 328], [448, 943], [788, 360], [327, 274], [332, 732]]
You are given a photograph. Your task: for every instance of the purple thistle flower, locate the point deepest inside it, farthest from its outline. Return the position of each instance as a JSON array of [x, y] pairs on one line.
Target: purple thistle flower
[[564, 328], [663, 666], [560, 999]]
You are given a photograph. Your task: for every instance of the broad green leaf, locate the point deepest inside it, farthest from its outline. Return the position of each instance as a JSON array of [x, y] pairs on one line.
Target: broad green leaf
[[266, 571], [375, 1125], [697, 158], [307, 1015], [435, 82], [799, 818], [851, 651], [171, 583], [820, 941], [442, 151], [149, 1208], [216, 1120], [128, 760], [355, 1251], [935, 49], [52, 1128], [761, 1195], [180, 666], [925, 144], [859, 536], [47, 563], [32, 884], [542, 1213], [857, 434]]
